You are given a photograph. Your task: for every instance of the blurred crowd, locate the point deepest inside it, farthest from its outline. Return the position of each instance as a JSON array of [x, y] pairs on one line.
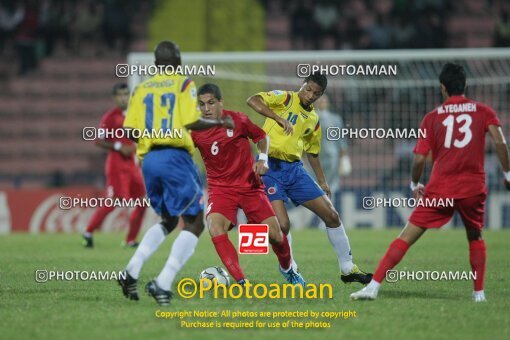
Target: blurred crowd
[[502, 32], [35, 29], [379, 24], [369, 24]]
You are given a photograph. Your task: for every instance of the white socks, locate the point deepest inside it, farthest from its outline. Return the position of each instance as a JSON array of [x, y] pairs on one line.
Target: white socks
[[182, 249], [479, 296], [150, 242], [293, 264], [340, 242], [373, 285]]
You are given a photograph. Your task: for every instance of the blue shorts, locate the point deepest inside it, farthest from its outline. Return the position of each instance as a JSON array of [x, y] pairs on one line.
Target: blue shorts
[[289, 179], [172, 182]]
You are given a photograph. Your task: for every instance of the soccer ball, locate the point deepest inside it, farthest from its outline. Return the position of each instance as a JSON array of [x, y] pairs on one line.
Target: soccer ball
[[215, 273]]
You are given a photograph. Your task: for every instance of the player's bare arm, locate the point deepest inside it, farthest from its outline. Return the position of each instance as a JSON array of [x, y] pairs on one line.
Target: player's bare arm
[[260, 167], [257, 103], [211, 114], [124, 149], [416, 173], [315, 163], [206, 123], [502, 151]]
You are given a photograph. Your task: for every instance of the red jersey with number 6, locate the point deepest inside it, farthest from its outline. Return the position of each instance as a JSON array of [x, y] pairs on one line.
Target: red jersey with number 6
[[227, 154], [455, 133]]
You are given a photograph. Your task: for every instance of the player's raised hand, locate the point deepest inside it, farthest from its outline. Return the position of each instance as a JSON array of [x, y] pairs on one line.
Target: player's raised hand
[[227, 122], [324, 186], [260, 167], [507, 184], [286, 125], [419, 191]]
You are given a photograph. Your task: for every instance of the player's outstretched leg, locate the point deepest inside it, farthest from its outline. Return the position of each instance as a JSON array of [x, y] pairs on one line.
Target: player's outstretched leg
[[151, 241], [95, 222], [338, 238], [477, 259], [218, 226], [281, 248], [182, 250], [393, 256], [284, 222]]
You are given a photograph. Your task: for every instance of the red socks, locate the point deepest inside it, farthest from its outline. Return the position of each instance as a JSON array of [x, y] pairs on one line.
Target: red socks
[[477, 259], [135, 223], [395, 253], [228, 255], [282, 251]]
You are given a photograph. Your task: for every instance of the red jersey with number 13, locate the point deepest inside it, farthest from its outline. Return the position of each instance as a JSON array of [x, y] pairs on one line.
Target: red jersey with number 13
[[227, 154], [455, 133]]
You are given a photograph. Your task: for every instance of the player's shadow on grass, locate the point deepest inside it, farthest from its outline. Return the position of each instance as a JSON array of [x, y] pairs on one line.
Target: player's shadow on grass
[[403, 294]]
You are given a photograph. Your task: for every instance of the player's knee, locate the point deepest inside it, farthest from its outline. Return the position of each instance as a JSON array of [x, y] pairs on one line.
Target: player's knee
[[332, 219], [169, 223], [195, 228], [285, 226], [275, 236], [194, 224], [275, 232], [216, 230]]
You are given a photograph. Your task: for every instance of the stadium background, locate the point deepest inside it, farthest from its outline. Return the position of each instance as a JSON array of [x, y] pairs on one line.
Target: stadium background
[[58, 67]]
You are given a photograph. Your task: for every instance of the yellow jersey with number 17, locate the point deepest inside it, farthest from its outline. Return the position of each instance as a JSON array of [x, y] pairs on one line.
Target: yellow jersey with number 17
[[307, 131], [163, 103]]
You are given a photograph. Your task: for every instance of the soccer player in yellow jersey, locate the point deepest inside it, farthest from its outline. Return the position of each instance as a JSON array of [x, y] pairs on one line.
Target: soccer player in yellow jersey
[[293, 128], [167, 102]]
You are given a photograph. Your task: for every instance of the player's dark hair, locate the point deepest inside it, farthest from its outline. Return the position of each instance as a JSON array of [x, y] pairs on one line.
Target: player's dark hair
[[119, 86], [210, 88], [318, 79], [453, 77], [167, 53]]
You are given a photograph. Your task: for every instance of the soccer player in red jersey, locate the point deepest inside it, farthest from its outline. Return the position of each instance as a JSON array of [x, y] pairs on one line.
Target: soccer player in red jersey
[[455, 135], [123, 176], [234, 182]]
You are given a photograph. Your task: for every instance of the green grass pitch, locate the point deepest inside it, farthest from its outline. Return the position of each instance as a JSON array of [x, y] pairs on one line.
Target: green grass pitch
[[97, 309]]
